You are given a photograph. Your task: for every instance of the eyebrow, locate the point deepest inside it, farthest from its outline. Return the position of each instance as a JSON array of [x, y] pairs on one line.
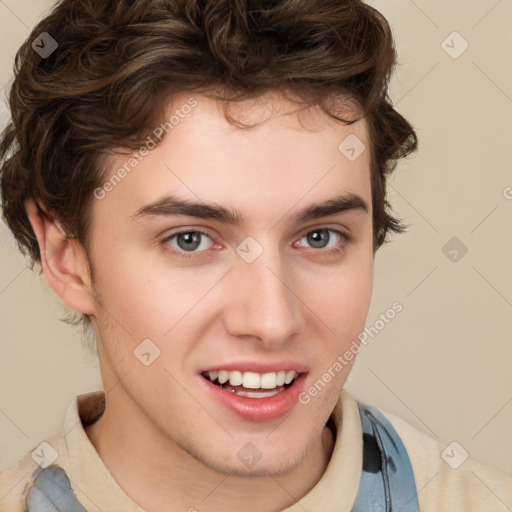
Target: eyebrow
[[172, 205]]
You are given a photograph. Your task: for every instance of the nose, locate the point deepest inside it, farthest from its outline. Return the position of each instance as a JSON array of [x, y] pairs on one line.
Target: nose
[[264, 301]]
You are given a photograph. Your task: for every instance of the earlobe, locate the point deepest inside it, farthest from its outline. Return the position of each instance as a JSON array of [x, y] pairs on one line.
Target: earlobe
[[63, 261]]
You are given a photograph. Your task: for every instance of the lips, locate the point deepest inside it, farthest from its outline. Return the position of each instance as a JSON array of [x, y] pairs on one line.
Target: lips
[[253, 395]]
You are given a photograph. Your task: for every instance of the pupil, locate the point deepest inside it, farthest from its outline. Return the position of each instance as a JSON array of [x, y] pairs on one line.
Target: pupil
[[190, 238], [315, 238]]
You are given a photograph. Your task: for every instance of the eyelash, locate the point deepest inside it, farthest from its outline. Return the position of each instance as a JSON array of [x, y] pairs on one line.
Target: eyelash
[[344, 240]]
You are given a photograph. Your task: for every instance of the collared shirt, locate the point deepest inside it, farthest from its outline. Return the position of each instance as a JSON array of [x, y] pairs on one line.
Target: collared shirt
[[470, 487]]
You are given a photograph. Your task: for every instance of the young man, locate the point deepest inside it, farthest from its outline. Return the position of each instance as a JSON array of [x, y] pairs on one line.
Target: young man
[[204, 183]]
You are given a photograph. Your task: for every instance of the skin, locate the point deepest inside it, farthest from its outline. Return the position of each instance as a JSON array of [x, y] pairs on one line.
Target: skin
[[168, 445]]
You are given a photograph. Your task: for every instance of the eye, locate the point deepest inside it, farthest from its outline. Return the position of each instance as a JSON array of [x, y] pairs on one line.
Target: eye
[[188, 241], [321, 238]]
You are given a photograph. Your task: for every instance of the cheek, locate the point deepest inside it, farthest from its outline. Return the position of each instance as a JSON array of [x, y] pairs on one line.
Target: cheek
[[149, 298], [344, 300], [343, 307], [356, 296], [142, 298]]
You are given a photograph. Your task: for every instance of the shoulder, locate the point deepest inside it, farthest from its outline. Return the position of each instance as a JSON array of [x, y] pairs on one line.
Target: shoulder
[[16, 481], [447, 478]]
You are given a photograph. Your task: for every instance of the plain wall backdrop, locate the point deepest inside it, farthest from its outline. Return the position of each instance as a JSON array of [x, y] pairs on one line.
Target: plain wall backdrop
[[443, 362]]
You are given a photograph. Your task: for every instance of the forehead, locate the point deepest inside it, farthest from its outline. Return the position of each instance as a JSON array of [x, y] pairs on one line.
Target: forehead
[[289, 156], [271, 113]]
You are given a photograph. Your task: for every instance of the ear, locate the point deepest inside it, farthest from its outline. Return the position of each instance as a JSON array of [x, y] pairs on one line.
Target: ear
[[63, 261]]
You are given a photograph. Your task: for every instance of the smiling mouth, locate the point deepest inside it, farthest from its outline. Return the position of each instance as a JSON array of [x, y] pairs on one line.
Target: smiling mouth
[[251, 384]]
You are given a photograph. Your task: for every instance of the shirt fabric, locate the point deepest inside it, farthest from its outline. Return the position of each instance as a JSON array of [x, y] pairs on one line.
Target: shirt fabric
[[469, 487]]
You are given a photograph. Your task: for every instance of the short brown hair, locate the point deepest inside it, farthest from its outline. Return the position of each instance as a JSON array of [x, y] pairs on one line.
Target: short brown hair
[[118, 61]]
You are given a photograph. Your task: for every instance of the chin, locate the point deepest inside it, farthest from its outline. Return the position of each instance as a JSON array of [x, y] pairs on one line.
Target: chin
[[248, 461], [269, 468]]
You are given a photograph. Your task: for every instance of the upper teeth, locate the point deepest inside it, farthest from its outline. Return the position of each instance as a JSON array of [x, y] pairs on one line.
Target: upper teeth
[[252, 380]]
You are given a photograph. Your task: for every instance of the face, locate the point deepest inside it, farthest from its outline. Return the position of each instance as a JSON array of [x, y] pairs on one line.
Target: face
[[256, 288]]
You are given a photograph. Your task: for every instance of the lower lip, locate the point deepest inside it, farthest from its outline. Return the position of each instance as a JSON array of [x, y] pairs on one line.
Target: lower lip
[[258, 409]]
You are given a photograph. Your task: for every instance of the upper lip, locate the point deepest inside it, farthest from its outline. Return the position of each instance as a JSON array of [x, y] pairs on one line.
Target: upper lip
[[258, 367]]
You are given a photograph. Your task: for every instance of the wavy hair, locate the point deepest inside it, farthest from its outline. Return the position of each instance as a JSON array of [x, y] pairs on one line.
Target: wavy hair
[[119, 61]]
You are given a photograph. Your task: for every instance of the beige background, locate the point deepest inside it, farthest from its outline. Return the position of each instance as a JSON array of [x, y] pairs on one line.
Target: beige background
[[444, 362]]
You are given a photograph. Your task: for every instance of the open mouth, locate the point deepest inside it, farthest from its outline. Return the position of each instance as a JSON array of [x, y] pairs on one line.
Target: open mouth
[[251, 384]]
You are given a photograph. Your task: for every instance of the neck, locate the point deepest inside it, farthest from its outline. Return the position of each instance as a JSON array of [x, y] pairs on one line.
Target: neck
[[161, 476]]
